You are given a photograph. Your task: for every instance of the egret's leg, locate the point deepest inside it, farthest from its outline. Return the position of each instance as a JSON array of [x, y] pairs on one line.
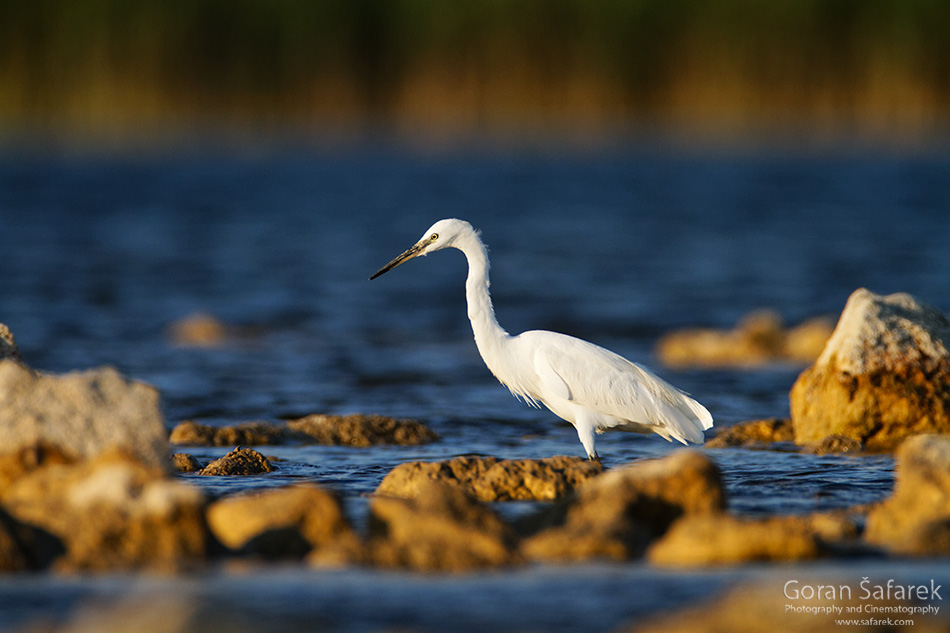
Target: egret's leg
[[584, 424]]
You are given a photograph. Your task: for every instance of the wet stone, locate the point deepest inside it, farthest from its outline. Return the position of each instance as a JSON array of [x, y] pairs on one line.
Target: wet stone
[[185, 463], [360, 430], [256, 433], [754, 433], [240, 461]]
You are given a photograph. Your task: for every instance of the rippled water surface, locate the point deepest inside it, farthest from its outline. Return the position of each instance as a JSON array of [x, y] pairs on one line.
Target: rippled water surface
[[98, 256]]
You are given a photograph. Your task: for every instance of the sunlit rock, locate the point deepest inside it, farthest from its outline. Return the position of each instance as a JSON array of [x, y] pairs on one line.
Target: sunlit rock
[[883, 376], [617, 515], [189, 433], [198, 330], [722, 539], [360, 430], [760, 338], [915, 519], [443, 528], [240, 461], [287, 522], [755, 433], [493, 479]]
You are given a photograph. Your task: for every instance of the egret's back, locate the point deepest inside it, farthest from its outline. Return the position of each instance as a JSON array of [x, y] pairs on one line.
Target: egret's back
[[572, 374]]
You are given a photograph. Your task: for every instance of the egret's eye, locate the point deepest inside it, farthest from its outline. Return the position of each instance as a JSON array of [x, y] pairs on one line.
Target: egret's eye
[[433, 237]]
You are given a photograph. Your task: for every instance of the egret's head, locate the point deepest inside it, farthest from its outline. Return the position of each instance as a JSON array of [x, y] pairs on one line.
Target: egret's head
[[442, 234]]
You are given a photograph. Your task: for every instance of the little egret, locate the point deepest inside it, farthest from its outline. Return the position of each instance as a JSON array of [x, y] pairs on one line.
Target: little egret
[[589, 386]]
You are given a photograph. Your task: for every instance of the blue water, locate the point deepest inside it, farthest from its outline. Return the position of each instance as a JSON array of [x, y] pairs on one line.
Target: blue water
[[99, 255]]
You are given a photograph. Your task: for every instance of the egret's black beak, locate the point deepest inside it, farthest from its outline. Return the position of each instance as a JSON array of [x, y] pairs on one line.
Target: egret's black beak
[[415, 251]]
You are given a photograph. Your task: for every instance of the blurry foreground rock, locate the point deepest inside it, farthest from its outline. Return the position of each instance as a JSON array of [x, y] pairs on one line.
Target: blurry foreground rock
[[915, 519], [883, 376], [84, 467], [443, 528], [288, 522], [336, 430], [493, 479], [760, 338], [721, 539], [618, 515], [766, 609], [240, 461], [81, 414]]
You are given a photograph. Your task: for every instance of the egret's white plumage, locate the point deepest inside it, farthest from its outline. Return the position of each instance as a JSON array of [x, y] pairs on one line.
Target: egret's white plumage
[[589, 386]]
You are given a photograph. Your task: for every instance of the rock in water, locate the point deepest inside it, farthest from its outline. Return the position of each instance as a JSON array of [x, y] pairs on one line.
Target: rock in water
[[492, 479], [883, 376], [618, 514], [81, 414], [442, 529], [8, 346], [915, 519], [240, 461]]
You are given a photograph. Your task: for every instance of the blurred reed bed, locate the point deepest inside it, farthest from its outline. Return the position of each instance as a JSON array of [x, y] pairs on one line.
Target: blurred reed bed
[[867, 67]]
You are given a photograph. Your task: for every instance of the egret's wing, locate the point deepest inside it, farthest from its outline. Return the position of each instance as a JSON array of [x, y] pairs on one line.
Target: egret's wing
[[609, 384]]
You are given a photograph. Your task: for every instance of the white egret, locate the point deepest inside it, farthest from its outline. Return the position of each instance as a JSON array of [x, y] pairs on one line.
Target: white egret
[[593, 388]]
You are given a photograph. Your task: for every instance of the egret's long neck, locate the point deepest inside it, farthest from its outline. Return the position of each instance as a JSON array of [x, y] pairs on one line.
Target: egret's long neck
[[488, 334]]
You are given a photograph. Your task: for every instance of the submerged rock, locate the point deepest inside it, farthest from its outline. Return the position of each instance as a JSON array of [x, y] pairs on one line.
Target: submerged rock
[[360, 430], [240, 461], [915, 519], [492, 479], [883, 376], [760, 338], [618, 514], [81, 414], [190, 433], [288, 522], [199, 330], [721, 539], [443, 528], [754, 433]]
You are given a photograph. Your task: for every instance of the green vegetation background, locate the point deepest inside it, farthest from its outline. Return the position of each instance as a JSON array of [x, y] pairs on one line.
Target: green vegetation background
[[879, 67]]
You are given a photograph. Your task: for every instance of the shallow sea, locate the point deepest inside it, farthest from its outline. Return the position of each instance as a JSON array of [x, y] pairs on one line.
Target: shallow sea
[[99, 255]]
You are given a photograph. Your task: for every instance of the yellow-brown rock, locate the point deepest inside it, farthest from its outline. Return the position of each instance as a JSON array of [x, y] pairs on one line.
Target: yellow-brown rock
[[199, 330], [753, 433], [915, 519], [8, 346], [109, 513], [883, 376], [759, 338], [493, 479], [260, 433], [360, 430], [722, 539], [274, 522], [240, 461], [443, 528], [617, 515]]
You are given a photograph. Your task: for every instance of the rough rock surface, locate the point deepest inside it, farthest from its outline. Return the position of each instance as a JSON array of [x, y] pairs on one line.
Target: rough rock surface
[[761, 608], [753, 434], [722, 539], [274, 524], [760, 338], [618, 514], [8, 346], [240, 461], [106, 513], [361, 430], [338, 430], [883, 376], [83, 414], [441, 529], [493, 479], [185, 463], [190, 433], [915, 519]]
